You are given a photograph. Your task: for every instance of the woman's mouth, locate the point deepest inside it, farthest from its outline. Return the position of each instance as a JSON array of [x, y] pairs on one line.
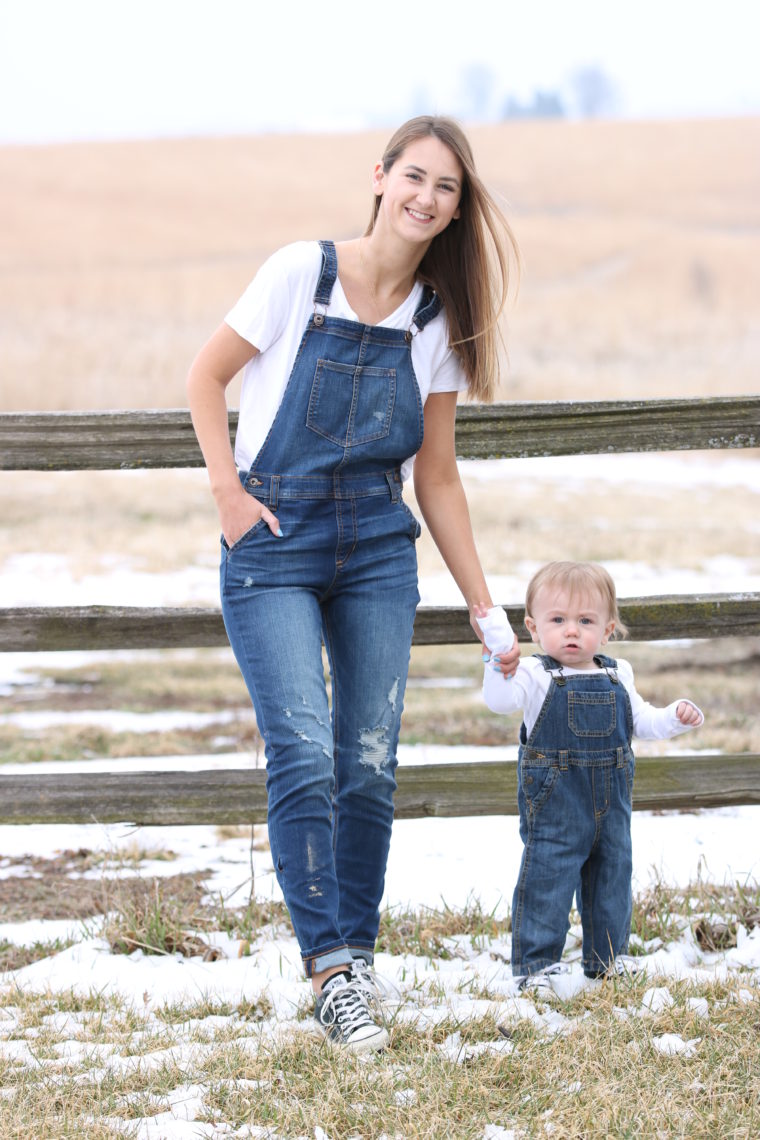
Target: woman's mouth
[[417, 215]]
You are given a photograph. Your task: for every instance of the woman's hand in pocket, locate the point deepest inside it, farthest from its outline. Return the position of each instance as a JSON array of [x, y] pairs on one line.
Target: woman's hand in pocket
[[240, 513]]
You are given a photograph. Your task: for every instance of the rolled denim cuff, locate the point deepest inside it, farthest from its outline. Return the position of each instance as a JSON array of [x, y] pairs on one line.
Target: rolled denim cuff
[[339, 957]]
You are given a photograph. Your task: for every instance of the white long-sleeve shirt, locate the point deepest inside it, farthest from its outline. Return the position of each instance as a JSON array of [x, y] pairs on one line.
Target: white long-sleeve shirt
[[527, 689]]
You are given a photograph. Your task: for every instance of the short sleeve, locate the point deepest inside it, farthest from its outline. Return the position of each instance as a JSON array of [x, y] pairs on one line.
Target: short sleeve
[[261, 314], [449, 375]]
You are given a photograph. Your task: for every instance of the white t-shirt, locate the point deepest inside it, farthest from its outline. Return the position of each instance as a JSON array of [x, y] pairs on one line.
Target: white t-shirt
[[272, 315]]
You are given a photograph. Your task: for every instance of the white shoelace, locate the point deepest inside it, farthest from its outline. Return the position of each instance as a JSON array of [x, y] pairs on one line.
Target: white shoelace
[[346, 1006], [374, 985]]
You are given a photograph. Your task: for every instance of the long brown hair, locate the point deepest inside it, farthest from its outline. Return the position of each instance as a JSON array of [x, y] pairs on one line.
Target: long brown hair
[[467, 263]]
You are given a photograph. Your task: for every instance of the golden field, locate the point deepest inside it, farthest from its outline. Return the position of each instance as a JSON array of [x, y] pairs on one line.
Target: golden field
[[641, 247], [641, 250]]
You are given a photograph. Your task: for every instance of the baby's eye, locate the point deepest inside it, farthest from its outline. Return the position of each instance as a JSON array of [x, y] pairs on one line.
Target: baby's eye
[[586, 621], [557, 620]]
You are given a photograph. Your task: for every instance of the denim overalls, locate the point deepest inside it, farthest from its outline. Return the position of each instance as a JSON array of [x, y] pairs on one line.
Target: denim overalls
[[574, 796], [344, 573]]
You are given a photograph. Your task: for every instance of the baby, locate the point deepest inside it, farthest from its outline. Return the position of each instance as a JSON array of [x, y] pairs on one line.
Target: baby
[[575, 776]]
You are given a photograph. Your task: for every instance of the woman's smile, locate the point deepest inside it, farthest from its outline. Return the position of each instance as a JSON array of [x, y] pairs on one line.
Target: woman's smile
[[418, 215]]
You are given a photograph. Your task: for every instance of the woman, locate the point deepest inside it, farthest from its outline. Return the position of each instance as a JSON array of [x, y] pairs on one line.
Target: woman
[[343, 345]]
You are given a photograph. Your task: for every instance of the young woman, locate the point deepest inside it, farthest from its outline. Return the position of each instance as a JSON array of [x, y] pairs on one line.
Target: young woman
[[354, 355]]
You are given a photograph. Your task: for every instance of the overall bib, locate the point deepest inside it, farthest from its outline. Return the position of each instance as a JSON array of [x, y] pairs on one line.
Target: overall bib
[[575, 781], [343, 574]]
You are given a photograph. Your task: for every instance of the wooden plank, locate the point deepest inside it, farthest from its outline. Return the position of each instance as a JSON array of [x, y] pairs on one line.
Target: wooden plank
[[431, 790], [72, 441], [523, 430], [666, 617]]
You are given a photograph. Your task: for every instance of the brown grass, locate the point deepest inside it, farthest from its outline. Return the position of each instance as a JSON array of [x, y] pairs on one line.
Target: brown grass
[[642, 269], [641, 244]]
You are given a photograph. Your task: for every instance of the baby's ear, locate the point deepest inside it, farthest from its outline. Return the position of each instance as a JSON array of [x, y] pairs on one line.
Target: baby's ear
[[609, 630], [530, 625]]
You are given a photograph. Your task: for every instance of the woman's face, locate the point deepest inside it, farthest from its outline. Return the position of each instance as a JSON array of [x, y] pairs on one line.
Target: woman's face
[[421, 192]]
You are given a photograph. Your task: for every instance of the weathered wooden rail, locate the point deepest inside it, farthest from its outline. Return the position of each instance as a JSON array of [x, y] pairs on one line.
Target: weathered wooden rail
[[32, 629], [233, 796], [77, 441], [163, 439]]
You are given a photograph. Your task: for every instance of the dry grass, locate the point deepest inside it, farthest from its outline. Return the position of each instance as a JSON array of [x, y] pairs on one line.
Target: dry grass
[[640, 273], [641, 280], [597, 1070], [434, 713]]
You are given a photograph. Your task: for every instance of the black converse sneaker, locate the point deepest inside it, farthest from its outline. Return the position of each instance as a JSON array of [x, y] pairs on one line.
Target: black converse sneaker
[[342, 1012]]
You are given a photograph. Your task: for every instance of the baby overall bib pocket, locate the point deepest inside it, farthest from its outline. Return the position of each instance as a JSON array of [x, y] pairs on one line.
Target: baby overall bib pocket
[[591, 713], [351, 404]]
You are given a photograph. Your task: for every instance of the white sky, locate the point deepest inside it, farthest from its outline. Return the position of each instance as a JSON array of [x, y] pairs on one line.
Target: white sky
[[79, 69]]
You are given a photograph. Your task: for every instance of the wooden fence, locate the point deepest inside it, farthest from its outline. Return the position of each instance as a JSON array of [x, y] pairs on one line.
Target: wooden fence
[[163, 439]]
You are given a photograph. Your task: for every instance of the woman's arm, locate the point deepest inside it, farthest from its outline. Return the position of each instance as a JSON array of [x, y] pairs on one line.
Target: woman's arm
[[220, 359], [442, 500]]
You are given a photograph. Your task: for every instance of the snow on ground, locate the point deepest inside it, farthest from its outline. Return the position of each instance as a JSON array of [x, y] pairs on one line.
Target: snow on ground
[[433, 862], [46, 579]]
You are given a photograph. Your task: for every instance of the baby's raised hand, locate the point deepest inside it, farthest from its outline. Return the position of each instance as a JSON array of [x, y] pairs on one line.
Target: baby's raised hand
[[687, 714]]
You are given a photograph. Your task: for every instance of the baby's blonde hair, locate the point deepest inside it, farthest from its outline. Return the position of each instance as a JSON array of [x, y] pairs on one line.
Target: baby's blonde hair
[[577, 578]]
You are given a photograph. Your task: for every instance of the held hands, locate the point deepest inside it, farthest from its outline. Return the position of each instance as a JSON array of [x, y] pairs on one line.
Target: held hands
[[688, 714], [506, 660], [240, 512]]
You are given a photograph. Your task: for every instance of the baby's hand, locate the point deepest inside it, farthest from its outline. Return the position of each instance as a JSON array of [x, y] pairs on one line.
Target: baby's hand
[[492, 625], [687, 714]]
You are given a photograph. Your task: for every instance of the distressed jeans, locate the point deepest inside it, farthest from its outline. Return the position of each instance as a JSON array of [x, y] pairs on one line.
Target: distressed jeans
[[330, 770]]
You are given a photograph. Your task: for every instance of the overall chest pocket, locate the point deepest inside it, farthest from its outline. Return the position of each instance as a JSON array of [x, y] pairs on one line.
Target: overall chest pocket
[[351, 404], [591, 714]]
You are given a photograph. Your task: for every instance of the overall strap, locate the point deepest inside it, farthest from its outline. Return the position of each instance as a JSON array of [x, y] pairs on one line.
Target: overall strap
[[551, 666], [428, 308], [609, 664], [327, 274]]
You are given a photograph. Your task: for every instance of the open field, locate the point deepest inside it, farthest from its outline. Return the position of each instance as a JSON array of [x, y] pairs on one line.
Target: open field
[[641, 278], [171, 1010], [641, 244]]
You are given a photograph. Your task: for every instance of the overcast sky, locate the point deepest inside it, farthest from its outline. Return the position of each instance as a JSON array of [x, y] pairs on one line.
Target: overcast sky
[[94, 69]]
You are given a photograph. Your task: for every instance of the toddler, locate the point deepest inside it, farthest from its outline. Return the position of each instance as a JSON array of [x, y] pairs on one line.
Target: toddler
[[575, 776]]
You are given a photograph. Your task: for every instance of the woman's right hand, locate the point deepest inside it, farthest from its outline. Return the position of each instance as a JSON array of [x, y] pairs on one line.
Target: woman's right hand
[[241, 512]]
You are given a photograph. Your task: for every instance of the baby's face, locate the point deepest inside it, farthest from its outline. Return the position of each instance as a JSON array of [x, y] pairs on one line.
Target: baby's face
[[570, 628]]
